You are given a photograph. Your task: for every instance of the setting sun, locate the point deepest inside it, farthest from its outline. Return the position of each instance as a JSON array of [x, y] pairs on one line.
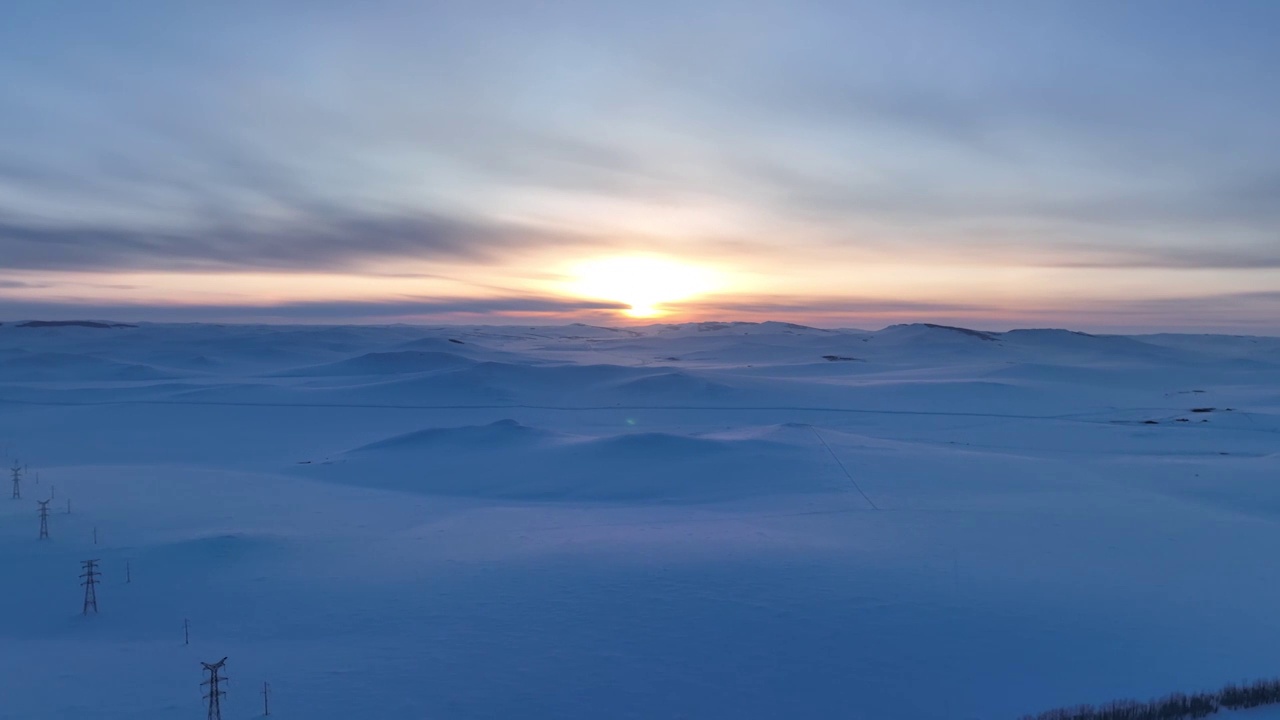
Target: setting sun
[[644, 283]]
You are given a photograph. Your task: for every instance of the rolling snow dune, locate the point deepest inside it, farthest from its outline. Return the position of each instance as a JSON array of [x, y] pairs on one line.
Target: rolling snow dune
[[670, 386], [55, 366], [498, 435], [706, 520], [486, 461], [401, 362]]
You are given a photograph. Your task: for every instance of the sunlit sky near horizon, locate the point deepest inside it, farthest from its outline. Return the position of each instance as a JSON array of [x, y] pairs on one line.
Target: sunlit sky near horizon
[[1089, 164]]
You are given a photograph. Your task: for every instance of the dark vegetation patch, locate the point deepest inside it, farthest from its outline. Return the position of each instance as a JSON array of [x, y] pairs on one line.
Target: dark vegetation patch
[[1056, 331], [455, 340], [798, 326], [1203, 410], [963, 331], [711, 326], [72, 323], [838, 358], [1150, 422], [1176, 706]]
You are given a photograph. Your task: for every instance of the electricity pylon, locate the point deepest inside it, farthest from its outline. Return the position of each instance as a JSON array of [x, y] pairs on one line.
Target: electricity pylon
[[17, 480], [215, 694], [44, 519], [90, 576]]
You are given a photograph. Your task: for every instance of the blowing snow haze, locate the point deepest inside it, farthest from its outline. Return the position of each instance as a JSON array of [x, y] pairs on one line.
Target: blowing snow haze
[[575, 360]]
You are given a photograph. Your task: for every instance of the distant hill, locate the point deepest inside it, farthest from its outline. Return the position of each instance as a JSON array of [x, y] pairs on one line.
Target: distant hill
[[72, 323]]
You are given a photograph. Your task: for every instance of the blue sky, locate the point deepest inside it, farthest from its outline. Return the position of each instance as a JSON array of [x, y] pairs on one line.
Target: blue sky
[[1088, 164]]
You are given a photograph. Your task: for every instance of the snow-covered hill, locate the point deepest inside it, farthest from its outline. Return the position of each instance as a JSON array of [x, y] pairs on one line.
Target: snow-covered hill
[[712, 520]]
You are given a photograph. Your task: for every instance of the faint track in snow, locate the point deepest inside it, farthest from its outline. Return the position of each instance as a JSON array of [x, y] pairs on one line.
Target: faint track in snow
[[669, 522], [568, 408], [843, 469], [1078, 417]]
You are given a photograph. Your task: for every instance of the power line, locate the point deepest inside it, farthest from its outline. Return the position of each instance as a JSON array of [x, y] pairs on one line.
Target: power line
[[843, 469]]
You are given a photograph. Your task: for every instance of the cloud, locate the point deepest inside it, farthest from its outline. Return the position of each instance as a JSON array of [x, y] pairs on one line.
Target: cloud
[[311, 312], [822, 119], [818, 307], [1201, 306], [1251, 312], [1173, 258], [323, 240], [797, 134]]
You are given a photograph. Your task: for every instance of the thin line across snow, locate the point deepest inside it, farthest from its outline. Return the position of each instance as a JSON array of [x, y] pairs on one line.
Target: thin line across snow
[[694, 520], [1078, 417], [523, 406], [847, 474]]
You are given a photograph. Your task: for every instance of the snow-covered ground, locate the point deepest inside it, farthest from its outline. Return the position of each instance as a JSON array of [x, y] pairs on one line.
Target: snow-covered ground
[[692, 521]]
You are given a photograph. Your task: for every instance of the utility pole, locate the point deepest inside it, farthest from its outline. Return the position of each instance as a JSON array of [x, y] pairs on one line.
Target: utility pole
[[17, 480], [128, 572], [266, 699], [68, 504], [44, 519], [186, 631], [90, 576], [215, 694], [95, 535]]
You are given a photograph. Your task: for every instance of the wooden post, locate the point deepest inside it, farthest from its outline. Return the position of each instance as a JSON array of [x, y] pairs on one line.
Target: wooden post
[[186, 631], [266, 699]]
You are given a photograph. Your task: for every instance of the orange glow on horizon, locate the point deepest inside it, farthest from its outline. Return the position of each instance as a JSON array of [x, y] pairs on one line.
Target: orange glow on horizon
[[646, 283]]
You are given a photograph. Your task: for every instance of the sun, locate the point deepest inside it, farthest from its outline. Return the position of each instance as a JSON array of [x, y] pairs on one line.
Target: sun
[[645, 283]]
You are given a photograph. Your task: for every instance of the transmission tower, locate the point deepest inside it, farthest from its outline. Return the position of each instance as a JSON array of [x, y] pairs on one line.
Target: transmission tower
[[44, 519], [216, 693], [17, 480], [90, 576]]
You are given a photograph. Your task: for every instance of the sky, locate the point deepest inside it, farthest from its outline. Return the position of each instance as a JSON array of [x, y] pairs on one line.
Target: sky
[[1090, 164]]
